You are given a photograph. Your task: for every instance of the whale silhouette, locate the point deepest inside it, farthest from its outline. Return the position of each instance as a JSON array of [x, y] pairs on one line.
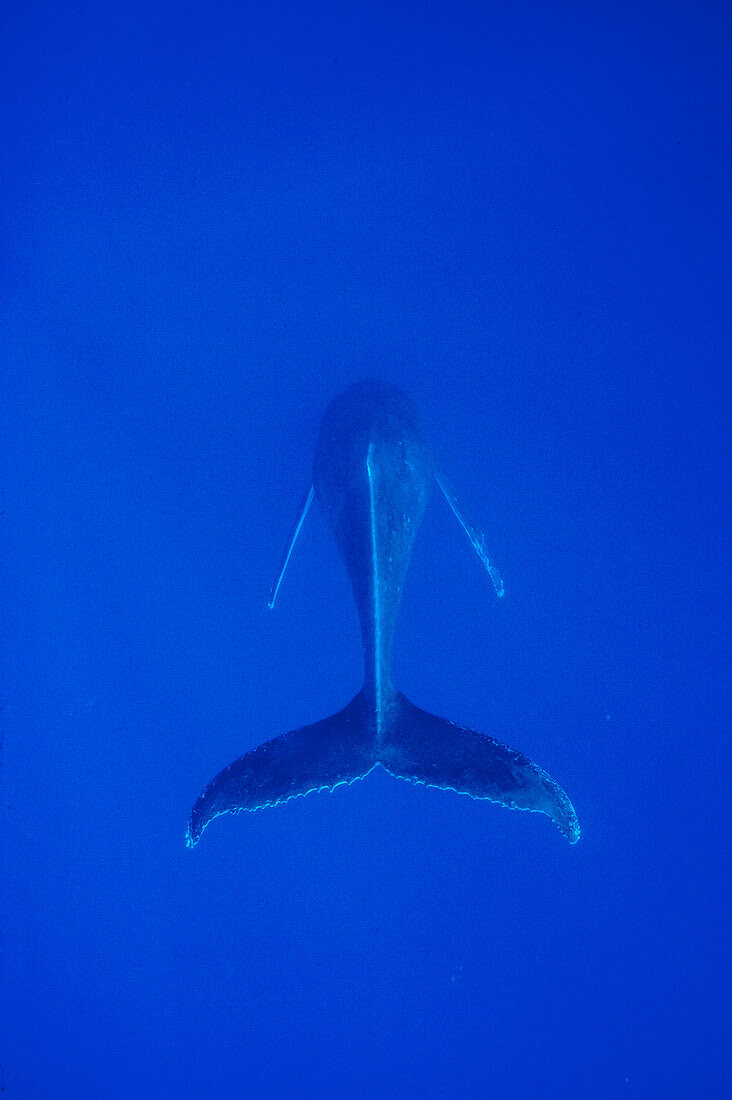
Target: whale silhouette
[[373, 474]]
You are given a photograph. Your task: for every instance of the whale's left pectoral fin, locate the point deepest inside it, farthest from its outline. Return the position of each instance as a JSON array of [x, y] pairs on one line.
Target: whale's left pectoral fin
[[427, 749], [304, 509], [318, 757]]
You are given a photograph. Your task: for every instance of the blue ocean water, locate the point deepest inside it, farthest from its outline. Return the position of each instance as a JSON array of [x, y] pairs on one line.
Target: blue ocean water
[[214, 219]]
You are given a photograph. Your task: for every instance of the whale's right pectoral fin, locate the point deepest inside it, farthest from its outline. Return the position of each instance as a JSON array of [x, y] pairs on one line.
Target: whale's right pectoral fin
[[318, 757], [476, 538], [427, 749]]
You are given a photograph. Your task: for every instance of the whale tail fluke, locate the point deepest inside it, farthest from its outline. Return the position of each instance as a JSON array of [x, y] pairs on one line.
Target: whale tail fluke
[[426, 749], [411, 744], [317, 757]]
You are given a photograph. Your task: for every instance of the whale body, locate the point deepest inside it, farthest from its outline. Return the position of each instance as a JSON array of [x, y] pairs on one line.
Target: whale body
[[373, 475]]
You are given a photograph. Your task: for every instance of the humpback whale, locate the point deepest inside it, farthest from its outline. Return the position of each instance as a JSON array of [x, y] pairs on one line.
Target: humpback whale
[[373, 474]]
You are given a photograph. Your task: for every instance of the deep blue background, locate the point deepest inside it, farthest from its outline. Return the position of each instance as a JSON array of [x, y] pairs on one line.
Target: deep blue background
[[213, 218]]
